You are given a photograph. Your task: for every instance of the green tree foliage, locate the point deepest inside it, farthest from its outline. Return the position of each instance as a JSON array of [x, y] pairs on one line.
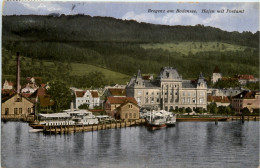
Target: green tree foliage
[[226, 84], [245, 111], [83, 106], [60, 94], [212, 108], [252, 85], [188, 110], [256, 111]]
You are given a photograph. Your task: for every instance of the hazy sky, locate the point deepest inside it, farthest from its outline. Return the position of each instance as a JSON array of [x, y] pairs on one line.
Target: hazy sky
[[247, 21]]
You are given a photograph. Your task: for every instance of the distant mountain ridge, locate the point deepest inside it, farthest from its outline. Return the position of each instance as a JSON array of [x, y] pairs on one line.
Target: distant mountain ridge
[[68, 28]]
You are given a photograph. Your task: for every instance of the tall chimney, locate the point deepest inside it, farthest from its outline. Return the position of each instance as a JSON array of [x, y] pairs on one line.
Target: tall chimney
[[18, 73]]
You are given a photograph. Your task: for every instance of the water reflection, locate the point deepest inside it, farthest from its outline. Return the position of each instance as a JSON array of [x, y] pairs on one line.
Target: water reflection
[[188, 144]]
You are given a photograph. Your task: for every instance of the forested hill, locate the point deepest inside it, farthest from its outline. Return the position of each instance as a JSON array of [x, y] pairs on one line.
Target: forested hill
[[86, 28]]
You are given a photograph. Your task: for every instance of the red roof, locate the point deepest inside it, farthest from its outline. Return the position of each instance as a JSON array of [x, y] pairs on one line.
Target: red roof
[[80, 93], [121, 100], [43, 85], [221, 99], [94, 93], [39, 92], [26, 94], [117, 92], [216, 70], [246, 77]]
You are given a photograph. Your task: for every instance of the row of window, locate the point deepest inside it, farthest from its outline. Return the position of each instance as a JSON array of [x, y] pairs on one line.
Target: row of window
[[17, 111], [130, 115]]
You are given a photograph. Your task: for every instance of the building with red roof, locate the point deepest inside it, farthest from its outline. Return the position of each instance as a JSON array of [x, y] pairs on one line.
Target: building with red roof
[[122, 107], [219, 100], [89, 97], [244, 79], [8, 85]]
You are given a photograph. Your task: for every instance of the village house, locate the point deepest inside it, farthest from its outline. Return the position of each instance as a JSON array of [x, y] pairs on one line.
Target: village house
[[244, 79], [169, 91], [219, 100], [246, 99], [42, 99], [122, 108], [89, 97], [17, 106], [30, 87], [7, 85], [116, 92]]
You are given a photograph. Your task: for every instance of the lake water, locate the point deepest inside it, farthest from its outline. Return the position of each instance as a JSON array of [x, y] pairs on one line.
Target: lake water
[[188, 144]]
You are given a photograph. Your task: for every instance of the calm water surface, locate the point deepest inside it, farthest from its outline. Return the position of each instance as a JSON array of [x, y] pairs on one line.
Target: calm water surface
[[188, 144]]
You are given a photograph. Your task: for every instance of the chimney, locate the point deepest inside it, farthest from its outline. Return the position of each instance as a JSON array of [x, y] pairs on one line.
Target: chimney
[[71, 106], [18, 86]]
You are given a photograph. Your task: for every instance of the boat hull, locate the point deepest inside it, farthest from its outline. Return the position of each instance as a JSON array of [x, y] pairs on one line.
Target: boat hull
[[155, 127]]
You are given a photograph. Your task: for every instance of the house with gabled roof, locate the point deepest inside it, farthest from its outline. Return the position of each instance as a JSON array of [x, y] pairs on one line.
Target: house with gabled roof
[[116, 92], [219, 100], [42, 99], [244, 79], [8, 85], [89, 97], [122, 107], [17, 105], [246, 99]]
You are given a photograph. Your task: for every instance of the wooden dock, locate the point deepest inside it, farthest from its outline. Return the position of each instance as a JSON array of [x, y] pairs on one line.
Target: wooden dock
[[66, 129]]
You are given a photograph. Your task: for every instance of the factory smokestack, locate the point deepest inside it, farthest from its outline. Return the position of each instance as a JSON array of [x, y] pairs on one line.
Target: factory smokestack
[[18, 86]]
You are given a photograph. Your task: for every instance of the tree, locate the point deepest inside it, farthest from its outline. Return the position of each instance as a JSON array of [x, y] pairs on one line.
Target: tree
[[245, 111], [60, 94], [182, 110], [188, 110], [83, 106], [228, 110]]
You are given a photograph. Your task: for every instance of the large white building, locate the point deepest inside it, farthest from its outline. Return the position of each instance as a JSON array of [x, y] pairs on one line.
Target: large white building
[[89, 97], [168, 91]]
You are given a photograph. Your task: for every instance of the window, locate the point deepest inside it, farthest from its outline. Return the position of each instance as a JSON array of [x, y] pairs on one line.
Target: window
[[139, 92], [6, 111], [138, 100], [134, 115], [188, 100], [15, 111], [130, 115], [126, 116], [18, 99], [20, 110], [130, 106], [176, 93], [146, 93], [157, 100]]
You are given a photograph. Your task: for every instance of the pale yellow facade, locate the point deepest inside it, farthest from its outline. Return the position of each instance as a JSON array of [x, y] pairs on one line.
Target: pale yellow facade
[[17, 105]]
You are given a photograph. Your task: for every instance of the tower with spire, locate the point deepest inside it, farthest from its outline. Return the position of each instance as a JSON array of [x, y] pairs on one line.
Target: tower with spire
[[216, 76]]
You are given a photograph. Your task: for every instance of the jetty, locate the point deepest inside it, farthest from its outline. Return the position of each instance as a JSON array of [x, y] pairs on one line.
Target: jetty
[[66, 129]]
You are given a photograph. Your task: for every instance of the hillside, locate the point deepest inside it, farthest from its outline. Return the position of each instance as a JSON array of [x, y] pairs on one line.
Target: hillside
[[126, 46], [87, 28]]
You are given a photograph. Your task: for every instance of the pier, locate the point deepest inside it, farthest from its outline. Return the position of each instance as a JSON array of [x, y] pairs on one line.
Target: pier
[[65, 129]]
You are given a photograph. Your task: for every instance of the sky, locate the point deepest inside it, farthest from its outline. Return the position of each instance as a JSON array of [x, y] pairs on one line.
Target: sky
[[246, 21]]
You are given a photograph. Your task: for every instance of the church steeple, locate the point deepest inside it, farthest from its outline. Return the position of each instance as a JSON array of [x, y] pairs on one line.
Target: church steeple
[[139, 75]]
